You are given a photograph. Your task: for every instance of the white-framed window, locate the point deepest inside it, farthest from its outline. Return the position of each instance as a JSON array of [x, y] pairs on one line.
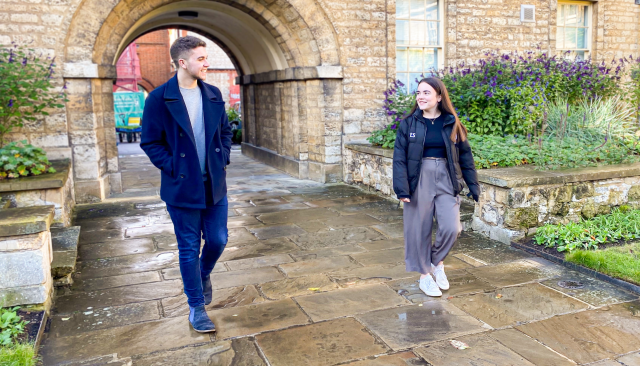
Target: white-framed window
[[419, 39], [574, 29]]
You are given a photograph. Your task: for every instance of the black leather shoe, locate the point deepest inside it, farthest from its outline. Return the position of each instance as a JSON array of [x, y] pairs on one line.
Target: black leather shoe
[[207, 290], [200, 320]]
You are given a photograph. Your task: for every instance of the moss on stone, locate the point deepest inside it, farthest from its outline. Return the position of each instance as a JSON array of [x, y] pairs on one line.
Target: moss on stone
[[583, 190], [521, 218]]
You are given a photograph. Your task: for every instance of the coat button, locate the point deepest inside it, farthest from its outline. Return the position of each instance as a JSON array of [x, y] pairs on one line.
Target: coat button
[[182, 176], [181, 134], [217, 150], [182, 155]]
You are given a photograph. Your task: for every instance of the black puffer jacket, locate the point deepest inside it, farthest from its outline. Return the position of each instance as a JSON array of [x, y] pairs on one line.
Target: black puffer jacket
[[407, 157]]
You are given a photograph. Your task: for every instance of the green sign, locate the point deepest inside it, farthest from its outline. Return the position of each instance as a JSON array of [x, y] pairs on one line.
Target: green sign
[[128, 107]]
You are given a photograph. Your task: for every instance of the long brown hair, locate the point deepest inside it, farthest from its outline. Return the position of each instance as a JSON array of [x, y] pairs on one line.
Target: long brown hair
[[459, 132]]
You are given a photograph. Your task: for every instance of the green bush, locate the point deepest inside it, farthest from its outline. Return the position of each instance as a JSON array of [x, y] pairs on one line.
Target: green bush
[[11, 326], [237, 136], [232, 115], [621, 224], [397, 105], [620, 262], [21, 161], [26, 88], [19, 354]]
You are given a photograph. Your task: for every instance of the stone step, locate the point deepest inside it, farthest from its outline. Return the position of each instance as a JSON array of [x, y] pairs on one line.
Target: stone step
[[65, 251], [466, 215]]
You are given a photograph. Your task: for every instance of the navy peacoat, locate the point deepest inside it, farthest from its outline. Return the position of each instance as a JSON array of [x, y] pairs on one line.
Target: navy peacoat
[[167, 138]]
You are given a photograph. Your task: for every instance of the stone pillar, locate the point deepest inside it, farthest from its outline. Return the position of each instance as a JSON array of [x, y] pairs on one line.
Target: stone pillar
[[92, 131], [25, 256]]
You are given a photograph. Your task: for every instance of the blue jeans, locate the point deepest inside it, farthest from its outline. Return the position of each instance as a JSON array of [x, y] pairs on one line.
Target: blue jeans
[[189, 225]]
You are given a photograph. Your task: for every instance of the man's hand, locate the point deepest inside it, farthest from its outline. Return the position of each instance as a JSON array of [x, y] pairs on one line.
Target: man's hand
[[405, 200]]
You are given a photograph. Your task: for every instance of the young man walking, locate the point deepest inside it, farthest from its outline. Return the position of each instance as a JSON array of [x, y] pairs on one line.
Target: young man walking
[[186, 134]]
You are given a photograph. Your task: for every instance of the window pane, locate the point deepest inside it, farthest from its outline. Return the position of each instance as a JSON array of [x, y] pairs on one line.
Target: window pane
[[402, 9], [432, 33], [402, 77], [560, 38], [414, 78], [571, 15], [579, 55], [432, 9], [431, 59], [561, 14], [582, 38], [415, 59], [401, 59], [417, 33], [417, 9], [402, 32], [570, 38]]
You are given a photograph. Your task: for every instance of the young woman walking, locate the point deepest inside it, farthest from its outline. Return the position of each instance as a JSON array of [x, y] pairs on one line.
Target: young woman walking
[[431, 158]]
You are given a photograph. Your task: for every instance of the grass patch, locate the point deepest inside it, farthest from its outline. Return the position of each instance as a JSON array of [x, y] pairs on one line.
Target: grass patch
[[18, 354], [619, 262], [622, 224]]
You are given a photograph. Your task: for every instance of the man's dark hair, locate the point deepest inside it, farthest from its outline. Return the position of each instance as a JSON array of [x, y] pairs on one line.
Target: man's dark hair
[[181, 47]]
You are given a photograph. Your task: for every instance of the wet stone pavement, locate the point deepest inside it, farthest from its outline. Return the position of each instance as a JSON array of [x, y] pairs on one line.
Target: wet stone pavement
[[314, 275]]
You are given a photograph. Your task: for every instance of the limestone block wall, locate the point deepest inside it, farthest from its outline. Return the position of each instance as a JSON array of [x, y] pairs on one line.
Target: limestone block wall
[[515, 201]]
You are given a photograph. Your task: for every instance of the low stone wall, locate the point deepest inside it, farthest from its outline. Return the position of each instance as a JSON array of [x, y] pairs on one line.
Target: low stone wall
[[515, 201], [48, 189], [369, 166], [25, 256]]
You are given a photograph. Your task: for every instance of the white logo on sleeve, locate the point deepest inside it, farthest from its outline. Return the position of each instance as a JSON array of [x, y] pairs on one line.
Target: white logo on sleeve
[[412, 134]]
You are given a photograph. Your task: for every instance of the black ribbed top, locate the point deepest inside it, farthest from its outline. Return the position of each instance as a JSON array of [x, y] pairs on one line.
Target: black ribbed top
[[434, 146]]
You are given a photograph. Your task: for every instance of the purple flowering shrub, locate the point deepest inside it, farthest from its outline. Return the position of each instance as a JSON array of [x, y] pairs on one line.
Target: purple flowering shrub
[[26, 88], [397, 105], [507, 94]]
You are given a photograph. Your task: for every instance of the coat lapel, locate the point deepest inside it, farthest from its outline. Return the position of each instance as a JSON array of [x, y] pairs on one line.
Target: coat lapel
[[175, 103], [213, 109]]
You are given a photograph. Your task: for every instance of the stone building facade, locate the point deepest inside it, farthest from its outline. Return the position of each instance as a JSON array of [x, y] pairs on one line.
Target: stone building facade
[[312, 72]]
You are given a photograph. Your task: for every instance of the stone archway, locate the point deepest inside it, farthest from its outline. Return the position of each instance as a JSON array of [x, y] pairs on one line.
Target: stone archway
[[285, 51]]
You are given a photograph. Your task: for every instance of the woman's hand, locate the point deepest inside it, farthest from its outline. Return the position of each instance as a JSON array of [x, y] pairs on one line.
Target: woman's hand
[[405, 200]]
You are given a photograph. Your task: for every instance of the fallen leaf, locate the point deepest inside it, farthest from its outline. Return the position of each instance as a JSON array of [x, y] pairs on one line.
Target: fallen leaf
[[314, 289], [65, 319], [459, 344], [498, 296]]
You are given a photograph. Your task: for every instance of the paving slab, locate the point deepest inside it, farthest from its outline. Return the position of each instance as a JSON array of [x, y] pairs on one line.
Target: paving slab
[[590, 290], [348, 277], [291, 287], [237, 352], [342, 250], [126, 264], [519, 272], [326, 343], [483, 351], [117, 296], [314, 266], [102, 318], [222, 299], [312, 226], [165, 242], [351, 221], [245, 277], [150, 230], [101, 283], [380, 257], [470, 241], [383, 244], [266, 261], [109, 223], [592, 335], [258, 249], [99, 236], [270, 232], [174, 272], [243, 221], [632, 359], [391, 230], [295, 216], [351, 301], [268, 201], [115, 249], [529, 348], [240, 235], [496, 255], [513, 305], [407, 358], [261, 210], [413, 325], [256, 318], [334, 238], [125, 341], [461, 282]]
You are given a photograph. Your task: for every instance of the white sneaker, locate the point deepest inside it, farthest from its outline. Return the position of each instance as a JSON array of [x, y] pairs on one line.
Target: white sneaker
[[441, 278], [429, 286]]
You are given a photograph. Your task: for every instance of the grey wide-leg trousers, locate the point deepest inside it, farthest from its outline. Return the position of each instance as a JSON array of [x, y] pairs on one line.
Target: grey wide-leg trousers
[[433, 196]]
